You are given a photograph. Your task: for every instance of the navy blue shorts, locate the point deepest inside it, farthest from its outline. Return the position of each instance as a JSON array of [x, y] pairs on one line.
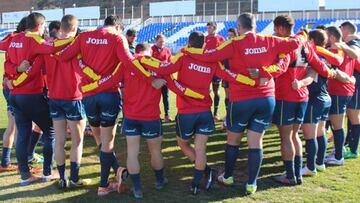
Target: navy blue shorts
[[315, 112], [288, 113], [72, 110], [147, 129], [9, 108], [339, 104], [188, 125], [252, 114], [355, 100], [102, 107], [216, 80]]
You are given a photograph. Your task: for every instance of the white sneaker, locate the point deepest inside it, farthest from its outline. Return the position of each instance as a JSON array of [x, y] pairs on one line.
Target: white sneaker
[[320, 168], [334, 161], [225, 181], [307, 172]]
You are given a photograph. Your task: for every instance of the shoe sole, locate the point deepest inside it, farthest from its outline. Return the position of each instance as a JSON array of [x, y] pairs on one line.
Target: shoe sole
[[122, 186]]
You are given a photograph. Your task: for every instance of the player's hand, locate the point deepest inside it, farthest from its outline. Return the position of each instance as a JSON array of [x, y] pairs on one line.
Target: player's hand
[[339, 45], [158, 83], [23, 67], [351, 37], [8, 83], [296, 84]]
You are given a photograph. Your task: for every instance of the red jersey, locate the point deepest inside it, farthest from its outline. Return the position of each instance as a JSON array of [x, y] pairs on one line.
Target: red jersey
[[102, 50], [8, 66], [194, 74], [244, 52], [27, 46], [337, 88], [213, 41], [299, 60], [162, 54]]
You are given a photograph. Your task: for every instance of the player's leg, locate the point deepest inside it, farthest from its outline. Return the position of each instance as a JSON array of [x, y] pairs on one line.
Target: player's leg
[[200, 161], [33, 157], [8, 141], [322, 146], [166, 103], [354, 117], [60, 156]]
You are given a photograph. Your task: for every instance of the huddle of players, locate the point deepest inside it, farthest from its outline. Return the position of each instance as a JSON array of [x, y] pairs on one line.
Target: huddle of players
[[91, 66]]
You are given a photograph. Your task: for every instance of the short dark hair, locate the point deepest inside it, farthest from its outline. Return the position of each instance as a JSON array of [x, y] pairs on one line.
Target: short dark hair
[[212, 23], [159, 36], [196, 39], [67, 22], [112, 20], [349, 25], [285, 21], [143, 46], [334, 31], [34, 20], [319, 36], [247, 20], [131, 32], [321, 27], [21, 27], [54, 25], [232, 30]]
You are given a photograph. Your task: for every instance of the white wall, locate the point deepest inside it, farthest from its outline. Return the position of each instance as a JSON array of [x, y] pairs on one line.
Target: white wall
[[288, 5], [173, 8], [52, 14], [14, 17], [342, 4], [91, 12]]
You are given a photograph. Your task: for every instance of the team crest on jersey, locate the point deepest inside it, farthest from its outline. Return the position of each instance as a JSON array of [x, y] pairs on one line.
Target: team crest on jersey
[[96, 41], [16, 45], [258, 50], [198, 68]]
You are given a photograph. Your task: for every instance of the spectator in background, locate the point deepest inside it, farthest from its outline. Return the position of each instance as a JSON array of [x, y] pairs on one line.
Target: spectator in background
[[131, 37], [54, 29], [162, 53], [213, 40]]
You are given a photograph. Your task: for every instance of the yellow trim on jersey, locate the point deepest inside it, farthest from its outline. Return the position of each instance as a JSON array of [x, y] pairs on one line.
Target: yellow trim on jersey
[[150, 62], [245, 80], [89, 87], [221, 65], [20, 79], [238, 38], [61, 42], [89, 72], [116, 69], [282, 56], [224, 44], [271, 68], [36, 37], [177, 57], [79, 56], [193, 50], [141, 68], [190, 93]]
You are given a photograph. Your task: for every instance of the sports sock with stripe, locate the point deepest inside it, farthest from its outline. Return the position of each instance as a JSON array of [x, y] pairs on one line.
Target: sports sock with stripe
[[231, 154], [74, 171], [255, 157], [198, 174], [322, 145], [135, 178], [354, 143], [339, 139], [5, 159], [289, 169], [106, 160], [62, 171], [34, 139], [311, 150], [298, 166], [159, 174]]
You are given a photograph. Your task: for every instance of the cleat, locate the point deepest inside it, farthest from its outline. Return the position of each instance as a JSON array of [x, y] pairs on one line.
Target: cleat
[[285, 181], [121, 176], [195, 190], [63, 183], [8, 168], [320, 168], [31, 179], [350, 155], [250, 189], [161, 185], [225, 181], [210, 179], [307, 172], [168, 119], [54, 176], [80, 183], [217, 118], [334, 161], [138, 194], [102, 191], [35, 169], [36, 159], [299, 181]]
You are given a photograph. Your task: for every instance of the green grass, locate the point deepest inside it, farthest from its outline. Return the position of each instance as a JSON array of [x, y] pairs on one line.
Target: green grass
[[337, 184]]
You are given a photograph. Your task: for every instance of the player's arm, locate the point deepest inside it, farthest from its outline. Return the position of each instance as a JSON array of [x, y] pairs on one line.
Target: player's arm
[[353, 50], [106, 82], [85, 71], [306, 81], [10, 68], [180, 89], [4, 45], [69, 51], [30, 73], [224, 51], [332, 58], [286, 45], [124, 55], [229, 76], [276, 69], [319, 66], [41, 46], [162, 68]]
